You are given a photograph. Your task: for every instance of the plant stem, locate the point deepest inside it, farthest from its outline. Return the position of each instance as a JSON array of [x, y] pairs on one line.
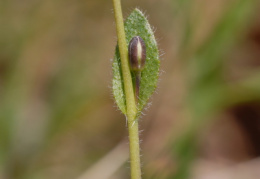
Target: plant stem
[[134, 150], [137, 86], [131, 110]]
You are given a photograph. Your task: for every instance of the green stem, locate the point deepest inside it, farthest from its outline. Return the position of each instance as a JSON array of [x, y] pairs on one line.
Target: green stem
[[134, 150], [129, 94]]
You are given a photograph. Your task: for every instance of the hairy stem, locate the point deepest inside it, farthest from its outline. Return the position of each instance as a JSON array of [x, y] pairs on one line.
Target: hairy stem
[[129, 94]]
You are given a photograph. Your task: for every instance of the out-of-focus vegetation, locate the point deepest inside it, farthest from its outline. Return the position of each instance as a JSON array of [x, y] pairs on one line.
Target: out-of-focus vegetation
[[57, 116]]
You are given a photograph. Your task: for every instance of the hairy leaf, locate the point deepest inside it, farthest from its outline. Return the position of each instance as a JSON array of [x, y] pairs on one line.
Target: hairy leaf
[[137, 25]]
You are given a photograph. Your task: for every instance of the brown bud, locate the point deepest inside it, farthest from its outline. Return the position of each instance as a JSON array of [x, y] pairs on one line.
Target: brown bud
[[137, 53]]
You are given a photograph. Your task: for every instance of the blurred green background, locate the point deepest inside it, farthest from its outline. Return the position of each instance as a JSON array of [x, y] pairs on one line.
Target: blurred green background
[[58, 119]]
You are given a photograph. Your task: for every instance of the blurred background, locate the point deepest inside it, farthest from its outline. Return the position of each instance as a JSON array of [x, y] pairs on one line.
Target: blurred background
[[58, 119]]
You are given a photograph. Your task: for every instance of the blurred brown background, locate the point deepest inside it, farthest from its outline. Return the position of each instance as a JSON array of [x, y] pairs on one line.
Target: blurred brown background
[[58, 119]]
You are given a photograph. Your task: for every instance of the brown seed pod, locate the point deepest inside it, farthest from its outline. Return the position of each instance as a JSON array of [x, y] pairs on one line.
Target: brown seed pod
[[137, 57], [137, 53]]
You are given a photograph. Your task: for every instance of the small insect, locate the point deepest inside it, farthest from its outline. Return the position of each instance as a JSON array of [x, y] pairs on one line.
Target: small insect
[[137, 57]]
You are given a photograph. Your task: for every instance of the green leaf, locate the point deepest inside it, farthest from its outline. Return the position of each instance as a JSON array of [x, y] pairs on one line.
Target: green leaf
[[137, 25]]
